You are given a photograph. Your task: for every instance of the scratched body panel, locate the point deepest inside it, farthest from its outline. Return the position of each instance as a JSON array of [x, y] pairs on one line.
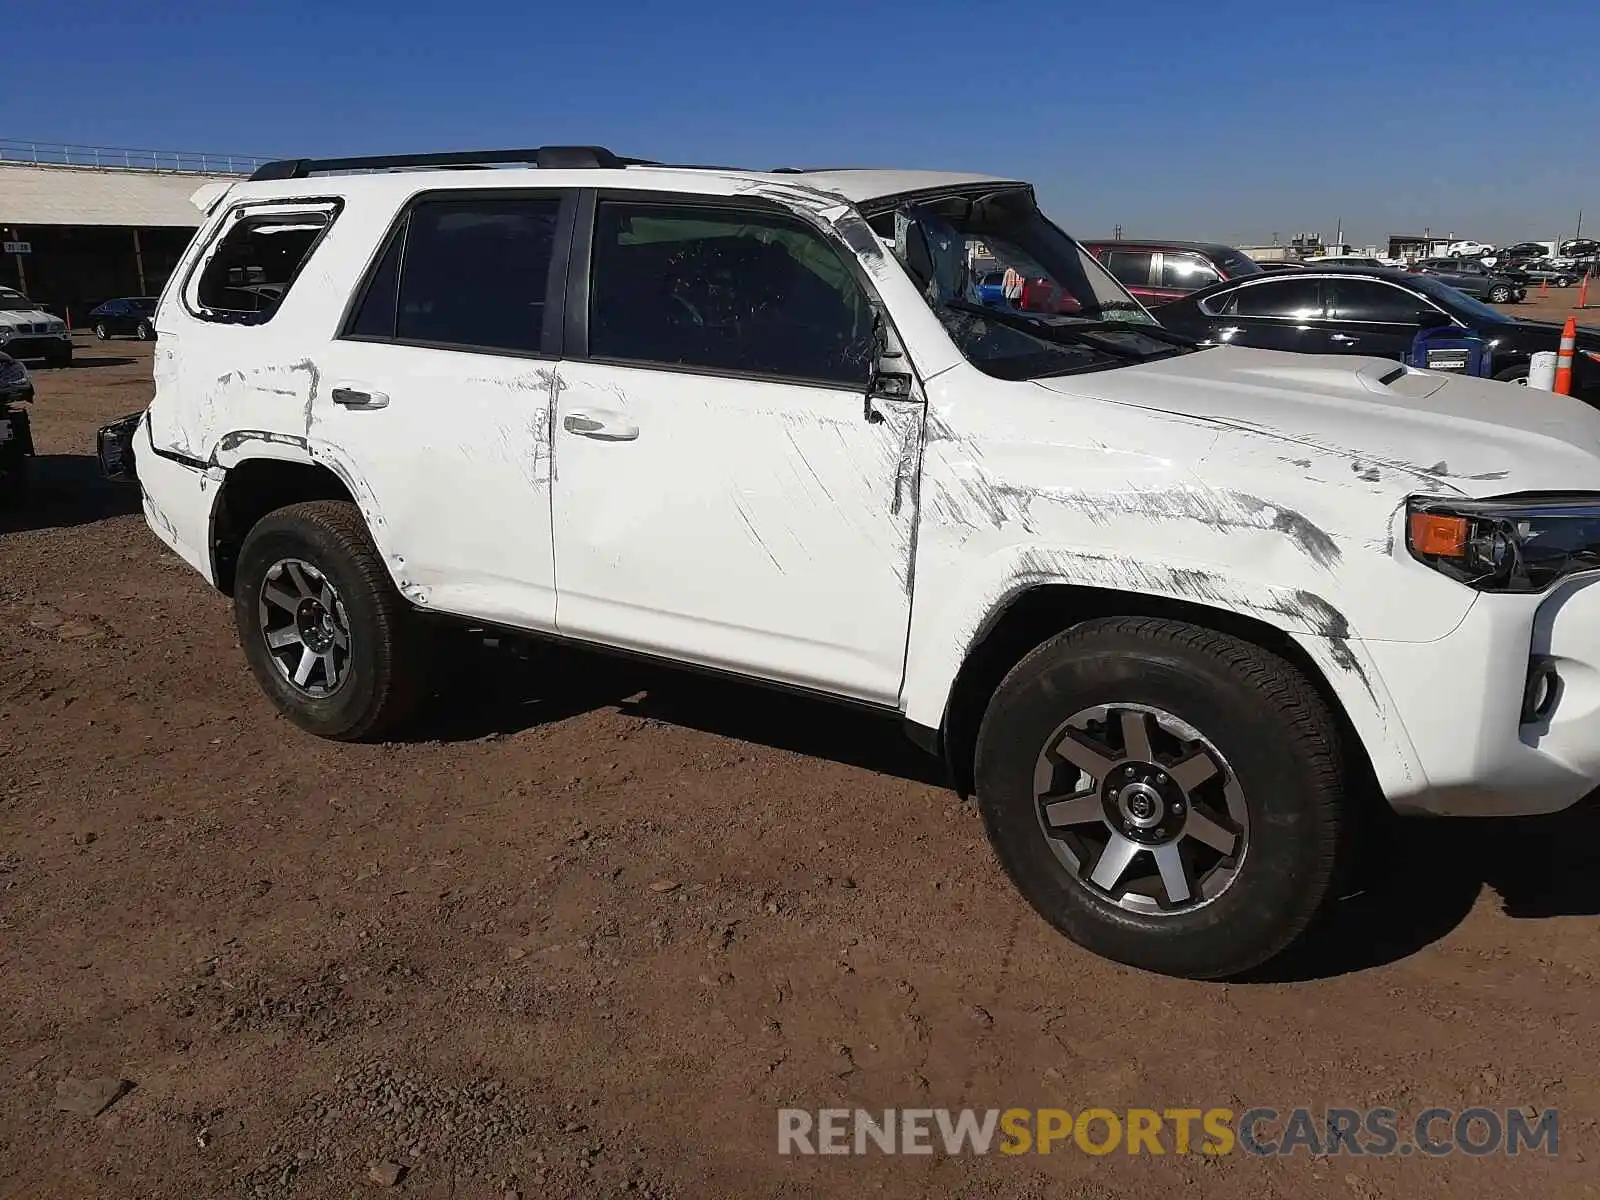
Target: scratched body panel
[[755, 526]]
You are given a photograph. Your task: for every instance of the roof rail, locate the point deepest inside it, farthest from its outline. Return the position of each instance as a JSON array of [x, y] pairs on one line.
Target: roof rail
[[547, 157]]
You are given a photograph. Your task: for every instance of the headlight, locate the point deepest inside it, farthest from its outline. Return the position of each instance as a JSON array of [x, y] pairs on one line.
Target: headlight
[[13, 372], [1518, 544]]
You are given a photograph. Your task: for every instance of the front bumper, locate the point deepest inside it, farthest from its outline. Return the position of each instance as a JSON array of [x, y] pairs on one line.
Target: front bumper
[[1485, 745], [38, 345]]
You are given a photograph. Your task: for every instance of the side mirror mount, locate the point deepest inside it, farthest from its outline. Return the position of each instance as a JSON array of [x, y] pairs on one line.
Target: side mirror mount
[[891, 370]]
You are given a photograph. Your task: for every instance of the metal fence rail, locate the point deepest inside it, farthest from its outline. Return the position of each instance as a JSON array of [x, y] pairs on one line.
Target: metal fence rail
[[176, 162]]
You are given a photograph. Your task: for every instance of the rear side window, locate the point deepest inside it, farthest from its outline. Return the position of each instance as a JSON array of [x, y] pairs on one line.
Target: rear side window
[[1287, 298], [1130, 267], [468, 274], [1369, 300], [255, 263]]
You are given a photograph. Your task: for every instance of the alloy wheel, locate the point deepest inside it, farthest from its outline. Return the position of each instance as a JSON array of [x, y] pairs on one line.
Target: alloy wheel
[[1141, 808], [305, 627]]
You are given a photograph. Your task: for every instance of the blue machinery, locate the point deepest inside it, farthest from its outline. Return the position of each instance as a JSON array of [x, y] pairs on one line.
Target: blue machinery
[[1448, 348]]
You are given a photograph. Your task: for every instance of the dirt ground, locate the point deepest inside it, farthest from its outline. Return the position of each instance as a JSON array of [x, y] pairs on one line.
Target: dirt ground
[[592, 933]]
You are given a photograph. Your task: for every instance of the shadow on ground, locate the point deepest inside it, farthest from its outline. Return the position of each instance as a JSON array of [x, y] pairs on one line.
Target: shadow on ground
[[1431, 873], [488, 693], [1422, 880], [65, 490]]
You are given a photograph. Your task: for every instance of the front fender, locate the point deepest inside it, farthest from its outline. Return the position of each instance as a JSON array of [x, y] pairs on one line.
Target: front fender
[[945, 631]]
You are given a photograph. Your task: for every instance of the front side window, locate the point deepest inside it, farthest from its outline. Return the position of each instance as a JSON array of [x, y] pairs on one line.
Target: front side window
[[1368, 300], [1060, 311], [1187, 272], [725, 289], [1286, 299], [255, 262]]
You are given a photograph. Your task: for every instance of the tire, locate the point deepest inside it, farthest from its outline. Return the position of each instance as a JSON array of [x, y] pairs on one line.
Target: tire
[[379, 684], [101, 332], [1514, 375], [1279, 777], [1500, 295], [1563, 281], [142, 332]]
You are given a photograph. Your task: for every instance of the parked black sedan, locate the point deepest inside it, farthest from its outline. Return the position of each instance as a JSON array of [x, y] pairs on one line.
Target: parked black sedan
[[1354, 310], [131, 316]]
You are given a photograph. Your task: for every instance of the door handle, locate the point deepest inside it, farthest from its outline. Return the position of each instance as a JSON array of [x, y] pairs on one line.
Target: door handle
[[1342, 339], [602, 426], [349, 397]]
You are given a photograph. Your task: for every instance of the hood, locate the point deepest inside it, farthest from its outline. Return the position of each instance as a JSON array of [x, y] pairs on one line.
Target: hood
[[1456, 433], [10, 318]]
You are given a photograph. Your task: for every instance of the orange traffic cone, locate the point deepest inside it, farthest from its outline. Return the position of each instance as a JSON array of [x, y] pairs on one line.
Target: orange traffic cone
[[1544, 287], [1569, 343], [1583, 293]]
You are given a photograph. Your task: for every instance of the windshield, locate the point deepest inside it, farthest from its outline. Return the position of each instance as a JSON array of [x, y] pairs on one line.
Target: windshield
[[1053, 310], [1236, 263], [1455, 301], [11, 301]]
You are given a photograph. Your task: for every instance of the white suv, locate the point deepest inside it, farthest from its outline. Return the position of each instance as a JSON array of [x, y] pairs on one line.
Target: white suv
[[1169, 611]]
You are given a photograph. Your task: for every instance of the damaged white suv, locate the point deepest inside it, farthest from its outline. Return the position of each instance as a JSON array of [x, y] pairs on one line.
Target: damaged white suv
[[1168, 610]]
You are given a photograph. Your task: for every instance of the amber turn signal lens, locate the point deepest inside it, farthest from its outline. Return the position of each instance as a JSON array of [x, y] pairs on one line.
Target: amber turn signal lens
[[1445, 537]]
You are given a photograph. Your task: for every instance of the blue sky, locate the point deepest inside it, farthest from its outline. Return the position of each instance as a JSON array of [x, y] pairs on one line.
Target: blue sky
[[1230, 119]]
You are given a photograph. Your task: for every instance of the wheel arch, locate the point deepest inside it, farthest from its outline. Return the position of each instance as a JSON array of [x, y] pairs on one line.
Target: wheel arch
[[1039, 612], [254, 486]]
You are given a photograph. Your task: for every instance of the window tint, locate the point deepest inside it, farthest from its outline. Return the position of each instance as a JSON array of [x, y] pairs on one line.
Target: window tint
[[375, 318], [1366, 300], [476, 273], [1187, 272], [255, 263], [727, 290], [1278, 298], [1129, 267]]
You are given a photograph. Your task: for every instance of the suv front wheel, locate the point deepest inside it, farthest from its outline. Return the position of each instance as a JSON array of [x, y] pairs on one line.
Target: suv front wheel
[[330, 640], [1165, 795]]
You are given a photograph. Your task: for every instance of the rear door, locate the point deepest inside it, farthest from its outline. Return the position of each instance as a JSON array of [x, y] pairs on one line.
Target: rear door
[[1281, 312], [437, 395]]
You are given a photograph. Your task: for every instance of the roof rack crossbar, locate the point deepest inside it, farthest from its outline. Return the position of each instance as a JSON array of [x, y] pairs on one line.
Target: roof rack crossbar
[[548, 157]]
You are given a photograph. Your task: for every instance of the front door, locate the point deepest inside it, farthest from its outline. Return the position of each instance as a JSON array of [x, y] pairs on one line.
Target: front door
[[436, 399], [724, 494], [1369, 316]]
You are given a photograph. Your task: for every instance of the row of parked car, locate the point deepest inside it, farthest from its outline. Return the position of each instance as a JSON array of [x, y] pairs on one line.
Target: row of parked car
[[1338, 305]]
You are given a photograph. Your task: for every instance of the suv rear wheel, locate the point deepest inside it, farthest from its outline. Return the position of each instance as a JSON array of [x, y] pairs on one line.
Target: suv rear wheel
[[330, 640], [1166, 796], [1500, 294]]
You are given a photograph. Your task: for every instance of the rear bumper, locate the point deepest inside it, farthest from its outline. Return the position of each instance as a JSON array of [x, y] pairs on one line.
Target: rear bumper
[[1504, 713], [177, 501]]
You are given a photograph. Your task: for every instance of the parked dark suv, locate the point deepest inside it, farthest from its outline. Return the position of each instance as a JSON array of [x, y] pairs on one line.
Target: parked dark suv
[[1496, 285], [1161, 271]]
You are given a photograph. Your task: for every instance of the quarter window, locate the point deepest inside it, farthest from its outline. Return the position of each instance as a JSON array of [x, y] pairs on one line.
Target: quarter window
[[748, 292], [256, 263]]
